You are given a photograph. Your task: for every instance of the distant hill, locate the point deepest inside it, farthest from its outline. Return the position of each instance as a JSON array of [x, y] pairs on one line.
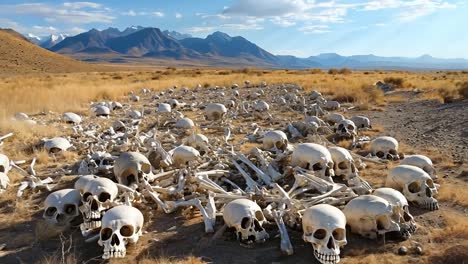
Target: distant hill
[[18, 55], [52, 40], [136, 42]]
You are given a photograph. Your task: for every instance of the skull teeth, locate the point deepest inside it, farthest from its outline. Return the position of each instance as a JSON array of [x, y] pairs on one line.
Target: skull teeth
[[113, 254], [326, 258]]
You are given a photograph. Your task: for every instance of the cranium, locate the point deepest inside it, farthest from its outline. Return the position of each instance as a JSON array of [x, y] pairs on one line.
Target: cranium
[[173, 103], [21, 116], [164, 109], [231, 104], [61, 207], [314, 157], [72, 118], [314, 95], [134, 98], [261, 106], [333, 118], [346, 129], [325, 228], [102, 111], [55, 145], [422, 162], [104, 161], [199, 142], [4, 163], [97, 196], [121, 225], [275, 140], [263, 84], [361, 122], [385, 148], [401, 207], [184, 123], [331, 105], [182, 155], [215, 111], [370, 216], [247, 218], [134, 114], [131, 167], [247, 84], [415, 184]]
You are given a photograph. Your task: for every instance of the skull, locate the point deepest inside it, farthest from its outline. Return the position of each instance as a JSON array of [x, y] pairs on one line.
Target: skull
[[104, 161], [72, 118], [55, 145], [215, 111], [164, 108], [333, 118], [199, 142], [415, 184], [134, 98], [314, 157], [102, 111], [173, 103], [385, 148], [135, 114], [61, 207], [422, 162], [314, 95], [4, 181], [247, 218], [345, 129], [400, 205], [275, 140], [184, 124], [121, 225], [182, 155], [97, 197], [4, 163], [361, 122], [131, 167], [370, 216], [325, 228]]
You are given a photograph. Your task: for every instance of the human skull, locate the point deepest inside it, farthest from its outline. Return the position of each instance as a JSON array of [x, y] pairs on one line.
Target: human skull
[[385, 148], [57, 144], [199, 142], [333, 118], [247, 84], [173, 103], [314, 157], [4, 163], [61, 207], [422, 162], [102, 111], [134, 98], [346, 129], [131, 167], [164, 108], [370, 216], [184, 123], [401, 207], [104, 161], [121, 225], [261, 106], [182, 155], [314, 95], [215, 112], [275, 140], [331, 105], [72, 118], [324, 227], [4, 181], [415, 184], [361, 122], [248, 219], [97, 196], [231, 104]]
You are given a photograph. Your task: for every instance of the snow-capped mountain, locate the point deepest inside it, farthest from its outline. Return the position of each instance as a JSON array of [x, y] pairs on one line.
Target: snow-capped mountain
[[33, 38], [52, 40]]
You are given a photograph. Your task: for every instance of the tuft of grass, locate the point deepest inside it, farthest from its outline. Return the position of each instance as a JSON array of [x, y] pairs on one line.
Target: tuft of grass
[[463, 89], [396, 82]]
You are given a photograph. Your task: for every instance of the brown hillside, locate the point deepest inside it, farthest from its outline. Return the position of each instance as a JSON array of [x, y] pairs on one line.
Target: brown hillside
[[17, 56]]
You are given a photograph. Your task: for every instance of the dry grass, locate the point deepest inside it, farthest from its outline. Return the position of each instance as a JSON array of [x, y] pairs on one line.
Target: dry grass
[[456, 228], [453, 194]]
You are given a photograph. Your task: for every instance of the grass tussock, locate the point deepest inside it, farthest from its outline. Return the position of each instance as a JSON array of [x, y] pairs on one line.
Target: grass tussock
[[456, 228], [454, 194]]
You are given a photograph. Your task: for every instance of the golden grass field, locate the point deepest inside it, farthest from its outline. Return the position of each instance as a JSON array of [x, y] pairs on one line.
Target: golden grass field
[[444, 233]]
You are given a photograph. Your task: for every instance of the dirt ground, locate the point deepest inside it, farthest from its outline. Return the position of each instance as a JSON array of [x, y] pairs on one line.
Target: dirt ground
[[424, 125]]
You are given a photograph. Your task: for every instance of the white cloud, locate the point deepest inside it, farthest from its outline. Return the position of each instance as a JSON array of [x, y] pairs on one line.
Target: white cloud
[[178, 15], [60, 13], [201, 29], [241, 26], [381, 24], [158, 14], [267, 8], [409, 10], [315, 29], [81, 5], [294, 52], [129, 13], [282, 22]]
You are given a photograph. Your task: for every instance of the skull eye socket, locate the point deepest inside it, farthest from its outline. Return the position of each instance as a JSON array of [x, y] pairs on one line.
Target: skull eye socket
[[430, 183], [350, 127], [320, 233], [86, 196], [50, 211], [380, 154], [104, 197], [339, 234], [245, 223], [414, 187], [126, 230], [342, 165], [259, 216], [70, 209], [106, 233], [2, 168], [317, 167]]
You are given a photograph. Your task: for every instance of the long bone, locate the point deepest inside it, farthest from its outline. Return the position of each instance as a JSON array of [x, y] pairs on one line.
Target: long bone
[[173, 205], [265, 165], [285, 245], [262, 175], [4, 137], [32, 181], [251, 184]]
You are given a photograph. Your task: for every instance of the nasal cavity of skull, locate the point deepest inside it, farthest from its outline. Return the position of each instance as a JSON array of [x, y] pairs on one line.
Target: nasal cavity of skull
[[382, 222], [407, 217], [126, 231], [70, 209], [50, 211]]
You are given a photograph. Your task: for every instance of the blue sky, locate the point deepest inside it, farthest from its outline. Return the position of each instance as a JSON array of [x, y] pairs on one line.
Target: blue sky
[[297, 27]]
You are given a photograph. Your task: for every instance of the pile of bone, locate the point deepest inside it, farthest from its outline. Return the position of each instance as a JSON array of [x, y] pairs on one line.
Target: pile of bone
[[296, 177]]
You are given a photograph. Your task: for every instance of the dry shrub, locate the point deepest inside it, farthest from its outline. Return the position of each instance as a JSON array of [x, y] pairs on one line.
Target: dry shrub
[[316, 71], [463, 90], [397, 82], [454, 194], [447, 95], [344, 71], [333, 71]]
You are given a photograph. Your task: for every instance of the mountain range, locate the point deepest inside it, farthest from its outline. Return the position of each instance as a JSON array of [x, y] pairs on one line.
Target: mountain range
[[138, 43]]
